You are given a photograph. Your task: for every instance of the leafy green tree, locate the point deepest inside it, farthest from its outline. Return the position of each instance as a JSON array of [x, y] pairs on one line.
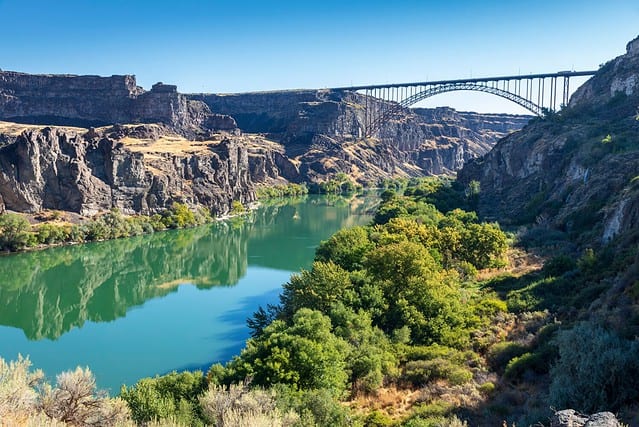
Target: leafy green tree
[[345, 248], [484, 245], [15, 232], [48, 233], [371, 356], [305, 355], [318, 289], [419, 294], [179, 216]]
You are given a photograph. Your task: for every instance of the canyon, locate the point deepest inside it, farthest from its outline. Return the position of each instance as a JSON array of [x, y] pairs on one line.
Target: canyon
[[86, 144]]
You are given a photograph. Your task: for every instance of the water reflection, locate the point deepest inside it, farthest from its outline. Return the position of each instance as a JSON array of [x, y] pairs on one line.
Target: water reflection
[[48, 293]]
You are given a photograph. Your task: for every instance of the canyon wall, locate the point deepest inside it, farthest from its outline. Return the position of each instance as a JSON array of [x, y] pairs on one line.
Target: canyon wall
[[324, 131], [84, 101]]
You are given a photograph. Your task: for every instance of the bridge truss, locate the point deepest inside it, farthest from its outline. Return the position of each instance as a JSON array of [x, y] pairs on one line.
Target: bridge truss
[[538, 93]]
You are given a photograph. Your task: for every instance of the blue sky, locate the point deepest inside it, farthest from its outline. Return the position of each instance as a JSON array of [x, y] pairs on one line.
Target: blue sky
[[244, 45]]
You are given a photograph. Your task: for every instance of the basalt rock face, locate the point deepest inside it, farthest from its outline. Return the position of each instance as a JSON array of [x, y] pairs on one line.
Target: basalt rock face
[[575, 172], [54, 168], [571, 418], [84, 101], [324, 131]]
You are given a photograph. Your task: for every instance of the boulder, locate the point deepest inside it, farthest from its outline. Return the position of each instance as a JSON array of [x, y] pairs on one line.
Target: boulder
[[571, 418]]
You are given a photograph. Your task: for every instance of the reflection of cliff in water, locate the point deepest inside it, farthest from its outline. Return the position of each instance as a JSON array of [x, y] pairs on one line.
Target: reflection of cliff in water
[[300, 225], [48, 293]]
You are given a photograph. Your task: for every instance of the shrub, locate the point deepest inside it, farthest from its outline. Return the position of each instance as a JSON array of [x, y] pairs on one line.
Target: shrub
[[487, 388], [14, 232], [236, 405], [174, 395], [75, 400], [48, 233], [179, 216], [317, 408], [596, 369], [420, 372], [527, 363], [378, 419], [304, 354], [559, 265], [18, 396], [237, 208], [502, 353]]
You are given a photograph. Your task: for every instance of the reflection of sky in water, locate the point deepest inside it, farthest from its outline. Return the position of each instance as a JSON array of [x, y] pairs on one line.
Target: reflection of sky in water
[[139, 316]]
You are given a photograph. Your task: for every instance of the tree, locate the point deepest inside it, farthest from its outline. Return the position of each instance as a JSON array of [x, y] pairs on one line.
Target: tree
[[305, 355], [318, 289], [14, 232], [419, 294], [345, 248]]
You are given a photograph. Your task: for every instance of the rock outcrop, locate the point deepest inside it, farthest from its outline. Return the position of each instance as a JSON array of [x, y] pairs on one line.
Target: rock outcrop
[[138, 169], [571, 418], [323, 131], [617, 77], [84, 101], [576, 172]]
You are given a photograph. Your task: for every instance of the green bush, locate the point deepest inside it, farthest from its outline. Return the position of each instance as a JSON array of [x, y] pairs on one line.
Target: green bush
[[49, 233], [421, 372], [237, 208], [15, 232], [596, 370], [559, 265], [172, 396], [502, 353], [315, 408], [378, 419], [178, 216], [304, 354], [345, 248]]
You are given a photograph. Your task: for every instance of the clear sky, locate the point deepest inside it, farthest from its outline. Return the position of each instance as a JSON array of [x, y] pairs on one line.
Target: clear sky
[[248, 45]]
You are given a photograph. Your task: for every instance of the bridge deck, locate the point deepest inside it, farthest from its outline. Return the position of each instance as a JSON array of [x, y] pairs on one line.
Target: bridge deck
[[473, 80]]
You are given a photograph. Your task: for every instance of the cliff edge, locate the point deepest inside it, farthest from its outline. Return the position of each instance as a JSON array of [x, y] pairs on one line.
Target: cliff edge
[[576, 172]]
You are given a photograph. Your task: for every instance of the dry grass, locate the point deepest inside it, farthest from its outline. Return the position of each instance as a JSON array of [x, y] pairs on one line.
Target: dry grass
[[168, 144], [392, 401], [520, 263], [15, 129]]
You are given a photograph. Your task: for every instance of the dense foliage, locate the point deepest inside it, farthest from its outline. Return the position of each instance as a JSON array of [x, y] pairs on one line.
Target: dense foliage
[[283, 190], [397, 308], [387, 303], [339, 184], [17, 234]]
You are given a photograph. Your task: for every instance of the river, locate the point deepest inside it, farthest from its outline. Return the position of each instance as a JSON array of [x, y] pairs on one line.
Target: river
[[175, 300]]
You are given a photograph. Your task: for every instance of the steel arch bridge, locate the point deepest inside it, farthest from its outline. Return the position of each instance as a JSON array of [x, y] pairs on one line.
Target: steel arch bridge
[[538, 93]]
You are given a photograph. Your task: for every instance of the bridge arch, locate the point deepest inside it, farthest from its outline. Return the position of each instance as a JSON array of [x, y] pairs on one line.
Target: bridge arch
[[436, 90], [388, 112], [535, 92]]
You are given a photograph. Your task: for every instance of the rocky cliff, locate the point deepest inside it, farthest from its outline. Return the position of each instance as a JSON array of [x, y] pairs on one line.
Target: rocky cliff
[[84, 101], [322, 130], [191, 150], [578, 171], [138, 169]]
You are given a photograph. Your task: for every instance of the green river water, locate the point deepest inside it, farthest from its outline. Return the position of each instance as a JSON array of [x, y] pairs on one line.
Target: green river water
[[174, 300]]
